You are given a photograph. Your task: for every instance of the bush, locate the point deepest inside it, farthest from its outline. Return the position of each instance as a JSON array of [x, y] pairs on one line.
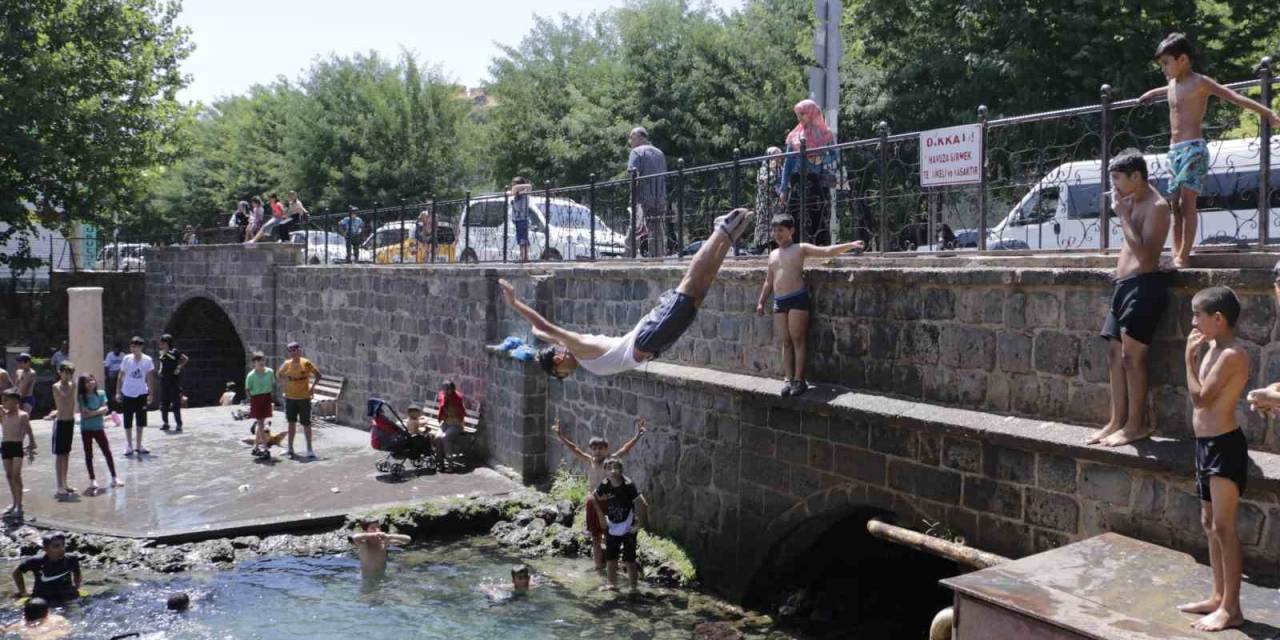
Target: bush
[[569, 485]]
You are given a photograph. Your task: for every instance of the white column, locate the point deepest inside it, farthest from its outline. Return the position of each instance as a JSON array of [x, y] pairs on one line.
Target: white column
[[84, 310]]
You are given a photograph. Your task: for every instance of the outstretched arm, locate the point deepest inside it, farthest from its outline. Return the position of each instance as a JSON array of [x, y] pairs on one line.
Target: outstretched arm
[[1153, 94], [1231, 96], [577, 451], [543, 329], [630, 444], [815, 251]]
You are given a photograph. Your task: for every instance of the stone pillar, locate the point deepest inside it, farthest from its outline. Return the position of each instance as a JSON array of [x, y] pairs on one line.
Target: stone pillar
[[84, 325]]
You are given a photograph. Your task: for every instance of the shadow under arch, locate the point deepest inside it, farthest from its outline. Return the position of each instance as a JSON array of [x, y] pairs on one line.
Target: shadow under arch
[[841, 580], [203, 331]]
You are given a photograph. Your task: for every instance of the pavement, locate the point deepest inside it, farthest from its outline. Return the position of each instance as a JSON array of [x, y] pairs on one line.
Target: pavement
[[202, 483]]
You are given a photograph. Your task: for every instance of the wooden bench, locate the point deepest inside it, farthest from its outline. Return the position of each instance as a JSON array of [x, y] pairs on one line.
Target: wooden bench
[[463, 445], [324, 402]]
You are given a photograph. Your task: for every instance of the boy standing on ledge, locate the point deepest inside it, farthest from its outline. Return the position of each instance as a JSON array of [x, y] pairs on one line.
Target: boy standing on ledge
[[1188, 93], [791, 305], [1141, 294], [1222, 453]]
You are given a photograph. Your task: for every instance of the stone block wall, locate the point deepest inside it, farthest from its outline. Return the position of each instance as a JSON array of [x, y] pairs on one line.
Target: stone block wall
[[515, 429]]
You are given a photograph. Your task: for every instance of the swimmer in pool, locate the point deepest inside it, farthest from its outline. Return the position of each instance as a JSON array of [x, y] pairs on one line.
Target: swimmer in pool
[[371, 545]]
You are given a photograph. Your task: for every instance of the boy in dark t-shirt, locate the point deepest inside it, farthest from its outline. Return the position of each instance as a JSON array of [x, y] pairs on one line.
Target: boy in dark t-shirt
[[170, 364], [627, 511], [57, 574]]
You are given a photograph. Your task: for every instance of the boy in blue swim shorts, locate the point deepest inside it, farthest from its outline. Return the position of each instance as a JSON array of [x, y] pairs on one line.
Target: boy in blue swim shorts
[[1188, 95], [791, 304]]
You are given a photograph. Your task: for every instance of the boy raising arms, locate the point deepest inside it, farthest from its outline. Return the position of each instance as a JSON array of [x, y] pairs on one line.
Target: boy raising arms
[[1140, 297], [595, 475], [791, 306], [1222, 453], [371, 545], [16, 425], [1188, 93]]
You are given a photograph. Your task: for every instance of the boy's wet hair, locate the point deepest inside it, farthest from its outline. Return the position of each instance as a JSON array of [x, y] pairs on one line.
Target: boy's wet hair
[[67, 365], [52, 537], [257, 355], [547, 360], [24, 357], [613, 461], [783, 220], [365, 523], [35, 609], [1218, 300], [520, 570], [1129, 161], [11, 392], [178, 602], [597, 440], [1174, 45]]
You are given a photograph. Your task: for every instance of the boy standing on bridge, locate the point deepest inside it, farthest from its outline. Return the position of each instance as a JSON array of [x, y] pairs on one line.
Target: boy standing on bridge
[[1188, 94], [791, 305], [595, 475], [655, 333], [1140, 297], [1215, 385]]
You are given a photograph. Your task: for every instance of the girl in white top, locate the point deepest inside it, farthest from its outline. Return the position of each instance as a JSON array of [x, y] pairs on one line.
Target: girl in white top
[[657, 331]]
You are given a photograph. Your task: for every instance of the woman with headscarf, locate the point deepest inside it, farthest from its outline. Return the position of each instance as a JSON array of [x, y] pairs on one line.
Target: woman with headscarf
[[768, 179], [813, 213]]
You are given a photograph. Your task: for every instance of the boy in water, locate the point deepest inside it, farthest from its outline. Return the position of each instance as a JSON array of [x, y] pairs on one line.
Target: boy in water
[[624, 511], [371, 545], [57, 573], [655, 333], [24, 378], [1140, 297], [37, 623], [595, 475], [1222, 453], [178, 603], [64, 426], [791, 306], [1188, 93], [16, 425]]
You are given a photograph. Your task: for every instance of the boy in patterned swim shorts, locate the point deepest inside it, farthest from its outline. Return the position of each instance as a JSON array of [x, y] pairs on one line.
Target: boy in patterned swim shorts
[[1188, 94]]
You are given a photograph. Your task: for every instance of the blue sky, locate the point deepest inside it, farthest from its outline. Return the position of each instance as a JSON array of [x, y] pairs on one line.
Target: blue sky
[[243, 42]]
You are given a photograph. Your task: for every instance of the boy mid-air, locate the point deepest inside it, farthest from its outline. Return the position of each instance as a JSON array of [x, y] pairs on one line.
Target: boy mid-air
[[1140, 297], [1188, 93], [791, 304], [1215, 385], [599, 448], [655, 333]]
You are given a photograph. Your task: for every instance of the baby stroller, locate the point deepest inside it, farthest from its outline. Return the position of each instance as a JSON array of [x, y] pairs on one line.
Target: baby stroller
[[394, 438]]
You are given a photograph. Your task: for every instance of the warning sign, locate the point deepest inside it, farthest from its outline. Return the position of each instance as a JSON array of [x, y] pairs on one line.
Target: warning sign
[[951, 156]]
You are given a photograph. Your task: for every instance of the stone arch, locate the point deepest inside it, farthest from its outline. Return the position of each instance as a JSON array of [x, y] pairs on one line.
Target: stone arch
[[206, 333]]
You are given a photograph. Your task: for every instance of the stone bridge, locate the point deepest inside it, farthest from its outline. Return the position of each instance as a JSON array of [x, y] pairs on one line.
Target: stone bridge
[[957, 393]]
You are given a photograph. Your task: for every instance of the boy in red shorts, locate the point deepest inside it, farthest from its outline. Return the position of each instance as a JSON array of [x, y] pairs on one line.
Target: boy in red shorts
[[595, 475], [260, 386]]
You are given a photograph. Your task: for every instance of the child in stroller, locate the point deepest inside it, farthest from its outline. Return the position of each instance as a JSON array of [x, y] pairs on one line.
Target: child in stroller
[[393, 437]]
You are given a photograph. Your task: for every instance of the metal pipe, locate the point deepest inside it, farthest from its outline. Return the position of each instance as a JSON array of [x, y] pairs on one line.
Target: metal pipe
[[635, 241], [591, 198], [802, 212], [1264, 157], [982, 178], [506, 223], [960, 553], [435, 217], [466, 213], [546, 213], [1104, 202], [680, 207], [883, 130]]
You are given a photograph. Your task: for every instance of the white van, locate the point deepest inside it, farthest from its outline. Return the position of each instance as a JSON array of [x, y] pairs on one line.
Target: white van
[[480, 232], [1061, 211]]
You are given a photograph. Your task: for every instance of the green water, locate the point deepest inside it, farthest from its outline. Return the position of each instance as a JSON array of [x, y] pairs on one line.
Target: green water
[[430, 591]]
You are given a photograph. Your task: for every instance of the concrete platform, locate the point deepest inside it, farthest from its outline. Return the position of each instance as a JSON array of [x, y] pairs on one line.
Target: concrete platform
[[1108, 587], [203, 483]]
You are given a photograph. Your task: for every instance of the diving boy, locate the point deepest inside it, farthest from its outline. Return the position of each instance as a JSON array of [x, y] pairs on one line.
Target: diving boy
[[371, 545], [655, 333], [1215, 385], [595, 475], [791, 305], [1139, 300], [1188, 94], [16, 425], [624, 511]]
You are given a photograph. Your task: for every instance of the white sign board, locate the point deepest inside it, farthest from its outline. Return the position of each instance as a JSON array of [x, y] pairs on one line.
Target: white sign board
[[951, 156]]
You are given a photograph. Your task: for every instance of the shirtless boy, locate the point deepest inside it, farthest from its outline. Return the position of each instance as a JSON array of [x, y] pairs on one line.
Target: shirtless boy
[[595, 475], [64, 426], [371, 545], [1140, 297], [24, 378], [37, 623], [16, 425], [791, 305], [1215, 385], [655, 333], [1188, 94]]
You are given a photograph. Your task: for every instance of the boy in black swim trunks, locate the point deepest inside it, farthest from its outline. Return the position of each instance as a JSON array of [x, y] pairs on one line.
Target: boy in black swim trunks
[[791, 305], [1141, 295], [655, 333], [16, 425], [64, 426], [1215, 385]]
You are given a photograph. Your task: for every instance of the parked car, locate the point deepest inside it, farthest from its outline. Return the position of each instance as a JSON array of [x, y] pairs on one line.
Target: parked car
[[131, 256], [395, 243], [486, 226], [323, 247]]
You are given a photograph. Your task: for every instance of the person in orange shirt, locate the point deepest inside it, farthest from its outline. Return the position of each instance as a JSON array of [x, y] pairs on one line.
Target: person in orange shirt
[[300, 378]]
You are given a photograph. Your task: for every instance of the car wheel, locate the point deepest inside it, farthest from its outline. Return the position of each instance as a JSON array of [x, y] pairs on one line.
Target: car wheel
[[469, 256], [552, 254]]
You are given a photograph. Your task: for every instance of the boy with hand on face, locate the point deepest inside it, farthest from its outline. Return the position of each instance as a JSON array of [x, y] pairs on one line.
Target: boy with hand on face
[[791, 305], [595, 475]]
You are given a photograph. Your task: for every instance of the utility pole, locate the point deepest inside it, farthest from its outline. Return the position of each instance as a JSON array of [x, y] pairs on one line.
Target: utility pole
[[824, 79]]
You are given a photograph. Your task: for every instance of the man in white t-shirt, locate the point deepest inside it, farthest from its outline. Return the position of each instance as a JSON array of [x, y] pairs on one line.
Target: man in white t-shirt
[[655, 333], [136, 380]]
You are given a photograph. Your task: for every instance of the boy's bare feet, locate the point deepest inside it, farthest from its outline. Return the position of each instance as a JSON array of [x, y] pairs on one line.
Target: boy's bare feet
[[1204, 606], [1101, 434], [1127, 435], [1219, 620]]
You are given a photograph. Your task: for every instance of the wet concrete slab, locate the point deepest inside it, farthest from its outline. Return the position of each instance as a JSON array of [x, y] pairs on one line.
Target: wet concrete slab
[[1108, 587], [203, 483]]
